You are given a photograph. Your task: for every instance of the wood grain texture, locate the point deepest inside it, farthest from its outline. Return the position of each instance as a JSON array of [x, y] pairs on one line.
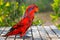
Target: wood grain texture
[[54, 28], [43, 33], [35, 33]]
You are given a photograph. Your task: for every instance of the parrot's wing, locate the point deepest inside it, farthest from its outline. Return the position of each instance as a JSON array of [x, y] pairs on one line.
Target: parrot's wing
[[19, 28]]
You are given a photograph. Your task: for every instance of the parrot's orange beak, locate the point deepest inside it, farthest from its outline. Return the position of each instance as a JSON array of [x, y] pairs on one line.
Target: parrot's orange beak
[[36, 9]]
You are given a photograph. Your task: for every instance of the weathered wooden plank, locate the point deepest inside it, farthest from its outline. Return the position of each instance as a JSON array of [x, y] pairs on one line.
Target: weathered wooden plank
[[1, 37], [58, 39], [35, 33], [55, 39], [11, 37], [1, 29], [43, 33], [54, 28], [50, 32]]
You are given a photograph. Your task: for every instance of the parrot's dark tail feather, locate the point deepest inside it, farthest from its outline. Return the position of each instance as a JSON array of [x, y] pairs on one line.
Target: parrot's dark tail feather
[[7, 34]]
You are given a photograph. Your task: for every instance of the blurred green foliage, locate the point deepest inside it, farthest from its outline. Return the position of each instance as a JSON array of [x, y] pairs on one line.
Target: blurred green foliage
[[58, 26], [56, 8], [10, 12], [54, 17], [44, 5], [37, 22]]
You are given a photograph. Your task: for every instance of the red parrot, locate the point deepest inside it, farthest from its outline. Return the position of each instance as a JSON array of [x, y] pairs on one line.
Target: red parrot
[[22, 26]]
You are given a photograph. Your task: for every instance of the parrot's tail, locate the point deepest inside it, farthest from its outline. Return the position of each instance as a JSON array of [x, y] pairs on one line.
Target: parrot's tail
[[8, 33]]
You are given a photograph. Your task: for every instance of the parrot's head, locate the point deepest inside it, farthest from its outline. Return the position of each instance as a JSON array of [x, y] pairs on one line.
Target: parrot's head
[[32, 7]]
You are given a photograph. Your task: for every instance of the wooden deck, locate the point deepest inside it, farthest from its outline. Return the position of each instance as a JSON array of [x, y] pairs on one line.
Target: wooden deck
[[34, 33]]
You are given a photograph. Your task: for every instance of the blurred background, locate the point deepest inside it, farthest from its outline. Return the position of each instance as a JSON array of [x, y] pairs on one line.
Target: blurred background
[[11, 12]]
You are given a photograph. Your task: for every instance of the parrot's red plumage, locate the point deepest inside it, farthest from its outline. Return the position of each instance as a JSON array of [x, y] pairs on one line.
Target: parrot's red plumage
[[24, 23]]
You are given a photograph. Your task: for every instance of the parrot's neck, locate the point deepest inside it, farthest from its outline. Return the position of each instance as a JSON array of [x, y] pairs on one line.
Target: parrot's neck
[[29, 14]]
